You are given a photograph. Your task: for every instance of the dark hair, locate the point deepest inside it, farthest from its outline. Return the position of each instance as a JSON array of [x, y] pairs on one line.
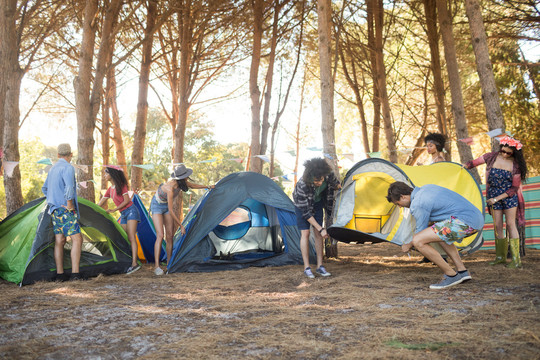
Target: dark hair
[[315, 169], [398, 189], [519, 159], [119, 179], [438, 139], [182, 184]]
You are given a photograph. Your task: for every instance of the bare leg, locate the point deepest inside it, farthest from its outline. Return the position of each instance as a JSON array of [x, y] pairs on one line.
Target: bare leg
[[59, 242], [304, 247], [158, 223], [498, 223], [319, 248], [76, 246], [511, 228], [169, 233], [131, 230], [453, 252], [421, 242]]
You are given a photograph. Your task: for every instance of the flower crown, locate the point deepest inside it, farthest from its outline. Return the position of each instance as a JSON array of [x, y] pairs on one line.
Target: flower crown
[[510, 141]]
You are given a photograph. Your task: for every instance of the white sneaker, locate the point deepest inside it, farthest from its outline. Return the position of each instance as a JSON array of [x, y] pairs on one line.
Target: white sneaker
[[158, 271]]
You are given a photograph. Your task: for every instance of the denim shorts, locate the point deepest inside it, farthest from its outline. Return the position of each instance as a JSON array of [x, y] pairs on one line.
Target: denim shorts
[[158, 208], [131, 213], [65, 222], [302, 223], [452, 230]]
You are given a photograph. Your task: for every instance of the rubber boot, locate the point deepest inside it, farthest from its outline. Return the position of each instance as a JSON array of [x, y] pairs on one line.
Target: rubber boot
[[516, 258], [501, 251]]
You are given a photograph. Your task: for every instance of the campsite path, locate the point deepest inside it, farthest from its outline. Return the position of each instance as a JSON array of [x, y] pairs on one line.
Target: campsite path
[[376, 305]]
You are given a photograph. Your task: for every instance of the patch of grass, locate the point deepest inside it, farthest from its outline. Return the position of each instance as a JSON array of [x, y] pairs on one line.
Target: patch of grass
[[421, 346]]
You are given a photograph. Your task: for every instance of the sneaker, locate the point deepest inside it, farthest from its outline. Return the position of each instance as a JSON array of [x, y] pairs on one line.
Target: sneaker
[[465, 275], [322, 271], [61, 277], [158, 271], [447, 281], [76, 276], [308, 273], [132, 269]]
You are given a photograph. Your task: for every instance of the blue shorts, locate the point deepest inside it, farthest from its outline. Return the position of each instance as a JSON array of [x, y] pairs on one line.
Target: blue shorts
[[65, 222], [302, 223], [131, 213], [158, 208]]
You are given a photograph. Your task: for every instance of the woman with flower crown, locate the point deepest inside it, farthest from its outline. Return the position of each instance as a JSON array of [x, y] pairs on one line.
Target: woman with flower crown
[[505, 171]]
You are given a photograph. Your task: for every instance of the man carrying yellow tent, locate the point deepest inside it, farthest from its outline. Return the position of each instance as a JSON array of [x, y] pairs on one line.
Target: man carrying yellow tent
[[453, 217]]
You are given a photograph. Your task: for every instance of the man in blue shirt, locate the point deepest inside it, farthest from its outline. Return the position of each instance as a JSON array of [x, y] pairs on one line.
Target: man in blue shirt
[[453, 218], [61, 192]]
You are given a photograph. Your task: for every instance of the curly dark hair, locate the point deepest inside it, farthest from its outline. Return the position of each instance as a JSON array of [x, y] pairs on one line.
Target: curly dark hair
[[315, 169], [396, 190], [119, 179], [438, 139], [519, 159]]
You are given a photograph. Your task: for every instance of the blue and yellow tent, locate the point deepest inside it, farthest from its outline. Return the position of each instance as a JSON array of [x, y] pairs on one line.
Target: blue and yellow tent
[[362, 213]]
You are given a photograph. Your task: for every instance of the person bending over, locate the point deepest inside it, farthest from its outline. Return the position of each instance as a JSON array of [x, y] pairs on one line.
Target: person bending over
[[454, 218]]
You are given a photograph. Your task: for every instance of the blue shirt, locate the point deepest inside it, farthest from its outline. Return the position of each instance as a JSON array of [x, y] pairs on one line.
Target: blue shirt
[[433, 203], [60, 186]]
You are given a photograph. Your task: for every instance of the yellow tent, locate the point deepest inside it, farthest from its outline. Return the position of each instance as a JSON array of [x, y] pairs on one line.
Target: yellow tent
[[362, 213]]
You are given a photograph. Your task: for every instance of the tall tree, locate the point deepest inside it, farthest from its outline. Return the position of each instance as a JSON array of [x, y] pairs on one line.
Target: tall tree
[[89, 86], [458, 109], [139, 138], [490, 93], [23, 35]]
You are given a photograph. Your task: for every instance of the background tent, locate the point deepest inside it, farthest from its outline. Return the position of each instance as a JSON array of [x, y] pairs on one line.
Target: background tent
[[146, 233], [362, 213], [27, 244], [247, 220]]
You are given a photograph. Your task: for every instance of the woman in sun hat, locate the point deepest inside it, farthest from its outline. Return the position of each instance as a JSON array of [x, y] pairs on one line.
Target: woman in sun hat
[[161, 208], [505, 171], [129, 214]]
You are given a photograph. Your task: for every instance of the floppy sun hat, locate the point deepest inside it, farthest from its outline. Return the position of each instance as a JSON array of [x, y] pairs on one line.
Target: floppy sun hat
[[181, 172]]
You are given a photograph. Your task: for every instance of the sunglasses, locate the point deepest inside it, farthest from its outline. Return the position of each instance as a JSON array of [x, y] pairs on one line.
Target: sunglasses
[[506, 152]]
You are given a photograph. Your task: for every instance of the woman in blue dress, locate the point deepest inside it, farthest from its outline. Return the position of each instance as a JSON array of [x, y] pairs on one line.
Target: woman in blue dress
[[505, 171]]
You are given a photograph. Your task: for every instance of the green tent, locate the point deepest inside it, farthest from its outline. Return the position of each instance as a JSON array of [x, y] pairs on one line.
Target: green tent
[[27, 244]]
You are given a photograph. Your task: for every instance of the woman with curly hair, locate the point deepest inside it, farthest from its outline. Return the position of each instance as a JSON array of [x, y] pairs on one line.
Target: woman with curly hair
[[435, 146], [312, 195], [505, 171], [129, 215]]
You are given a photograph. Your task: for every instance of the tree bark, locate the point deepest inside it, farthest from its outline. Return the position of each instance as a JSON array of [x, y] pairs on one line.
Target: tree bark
[[381, 82], [254, 91], [438, 85], [374, 75], [139, 137], [115, 124], [490, 94], [458, 109], [12, 75]]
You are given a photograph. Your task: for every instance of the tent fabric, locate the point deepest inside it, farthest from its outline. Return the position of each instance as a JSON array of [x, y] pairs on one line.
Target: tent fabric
[[272, 238], [146, 232], [364, 215], [531, 194], [27, 244]]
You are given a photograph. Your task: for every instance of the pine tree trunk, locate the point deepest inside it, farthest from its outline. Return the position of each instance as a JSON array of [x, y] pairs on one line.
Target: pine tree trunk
[[381, 82], [255, 93], [490, 94], [458, 109], [374, 75], [12, 76]]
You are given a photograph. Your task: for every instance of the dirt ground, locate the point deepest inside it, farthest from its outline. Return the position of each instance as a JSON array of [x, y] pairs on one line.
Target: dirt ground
[[377, 305]]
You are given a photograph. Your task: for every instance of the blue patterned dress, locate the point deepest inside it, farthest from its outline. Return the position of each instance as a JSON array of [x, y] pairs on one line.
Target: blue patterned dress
[[499, 182]]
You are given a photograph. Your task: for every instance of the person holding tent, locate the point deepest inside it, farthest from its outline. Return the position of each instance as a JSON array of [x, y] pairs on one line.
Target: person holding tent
[[162, 210], [506, 169], [129, 215], [313, 193], [60, 188], [435, 146], [454, 218]]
